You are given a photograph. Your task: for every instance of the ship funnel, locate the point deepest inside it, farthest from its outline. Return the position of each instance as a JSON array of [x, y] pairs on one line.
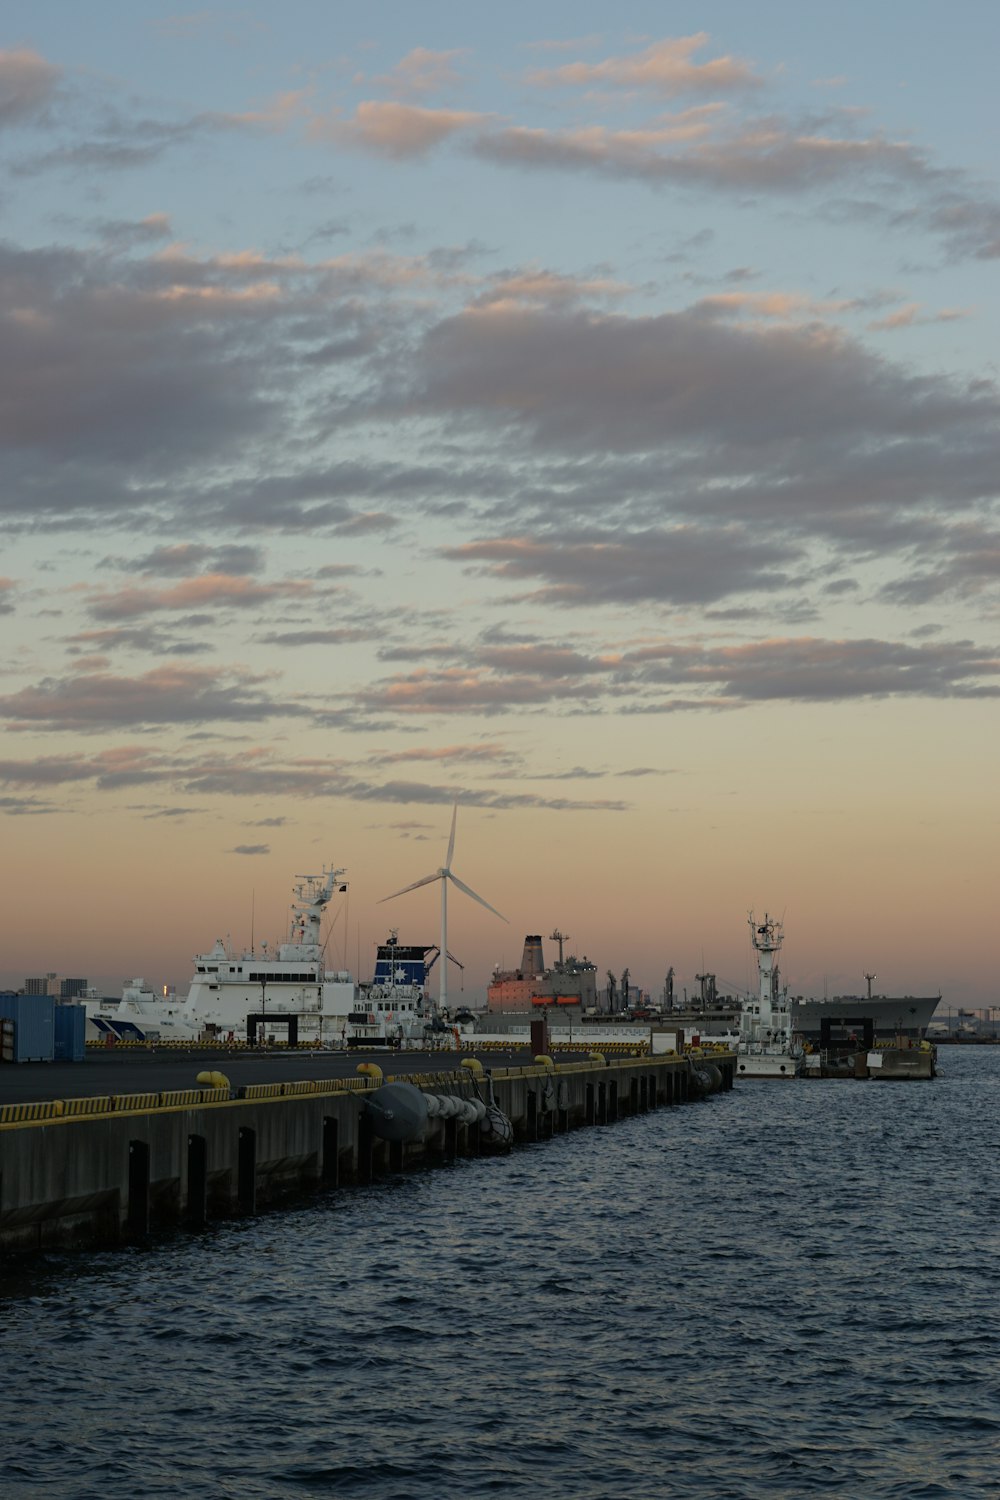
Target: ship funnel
[[531, 959]]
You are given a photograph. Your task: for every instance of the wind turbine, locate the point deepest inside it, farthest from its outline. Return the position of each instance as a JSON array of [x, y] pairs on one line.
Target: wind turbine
[[444, 875]]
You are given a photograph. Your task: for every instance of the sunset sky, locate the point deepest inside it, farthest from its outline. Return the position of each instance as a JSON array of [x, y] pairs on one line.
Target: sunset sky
[[530, 406]]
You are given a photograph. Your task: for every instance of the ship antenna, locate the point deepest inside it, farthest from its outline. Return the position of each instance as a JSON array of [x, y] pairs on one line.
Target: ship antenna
[[329, 930], [253, 896]]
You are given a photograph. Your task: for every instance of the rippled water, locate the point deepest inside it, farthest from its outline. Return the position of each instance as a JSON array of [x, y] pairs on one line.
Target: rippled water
[[786, 1291]]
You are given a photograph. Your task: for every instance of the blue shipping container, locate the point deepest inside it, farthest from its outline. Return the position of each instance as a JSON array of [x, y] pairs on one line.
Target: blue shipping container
[[34, 1025], [70, 1031]]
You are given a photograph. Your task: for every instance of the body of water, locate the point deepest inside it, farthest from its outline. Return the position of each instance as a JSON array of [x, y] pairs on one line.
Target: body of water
[[791, 1290]]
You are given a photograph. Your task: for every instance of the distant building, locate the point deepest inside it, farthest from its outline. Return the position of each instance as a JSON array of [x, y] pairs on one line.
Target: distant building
[[72, 989], [40, 984]]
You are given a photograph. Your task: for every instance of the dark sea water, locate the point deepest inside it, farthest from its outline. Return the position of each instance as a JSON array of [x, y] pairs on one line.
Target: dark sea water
[[791, 1290]]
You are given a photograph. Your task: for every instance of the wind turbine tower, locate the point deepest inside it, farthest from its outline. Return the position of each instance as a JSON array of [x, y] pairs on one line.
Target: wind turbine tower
[[444, 875]]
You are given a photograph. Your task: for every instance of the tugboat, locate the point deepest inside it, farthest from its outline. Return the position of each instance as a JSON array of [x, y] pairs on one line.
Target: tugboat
[[766, 1048]]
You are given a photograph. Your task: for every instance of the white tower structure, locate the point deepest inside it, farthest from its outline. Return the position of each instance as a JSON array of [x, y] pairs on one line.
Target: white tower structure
[[769, 1018], [312, 895], [444, 875]]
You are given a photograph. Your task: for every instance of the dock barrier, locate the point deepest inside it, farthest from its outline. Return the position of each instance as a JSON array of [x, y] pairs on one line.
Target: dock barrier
[[106, 1169]]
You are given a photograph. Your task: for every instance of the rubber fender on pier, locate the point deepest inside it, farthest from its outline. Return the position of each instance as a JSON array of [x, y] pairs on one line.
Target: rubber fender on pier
[[397, 1111], [210, 1079], [714, 1073], [473, 1065], [705, 1079], [496, 1133], [370, 1070]]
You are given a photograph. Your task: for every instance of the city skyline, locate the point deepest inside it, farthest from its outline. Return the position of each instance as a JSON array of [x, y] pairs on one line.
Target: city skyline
[[592, 425]]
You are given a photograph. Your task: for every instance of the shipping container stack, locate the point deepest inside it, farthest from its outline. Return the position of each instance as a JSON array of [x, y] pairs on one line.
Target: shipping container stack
[[27, 1028]]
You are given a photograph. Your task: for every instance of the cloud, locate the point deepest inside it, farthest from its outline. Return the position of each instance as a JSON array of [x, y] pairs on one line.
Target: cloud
[[771, 155], [277, 114], [816, 670], [175, 382], [47, 770], [415, 792], [471, 690], [185, 558], [345, 635], [104, 370], [969, 222], [126, 144], [787, 306], [207, 589], [682, 566], [422, 72], [669, 675], [400, 131], [251, 849], [257, 773], [966, 562], [599, 382], [28, 86], [124, 234], [25, 807], [145, 638], [486, 754], [664, 67], [538, 286], [165, 695], [909, 316]]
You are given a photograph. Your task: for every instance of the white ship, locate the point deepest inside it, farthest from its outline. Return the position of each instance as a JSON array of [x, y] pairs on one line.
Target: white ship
[[289, 995], [285, 996], [140, 1015], [766, 1048]]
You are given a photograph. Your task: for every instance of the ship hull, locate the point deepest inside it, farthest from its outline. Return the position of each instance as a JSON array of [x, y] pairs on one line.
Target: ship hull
[[753, 1063], [906, 1015]]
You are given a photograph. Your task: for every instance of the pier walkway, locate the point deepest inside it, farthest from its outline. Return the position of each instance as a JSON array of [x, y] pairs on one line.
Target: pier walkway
[[134, 1070]]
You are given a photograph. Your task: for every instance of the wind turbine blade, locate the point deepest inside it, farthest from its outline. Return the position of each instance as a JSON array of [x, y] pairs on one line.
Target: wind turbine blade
[[451, 841], [470, 892], [426, 881]]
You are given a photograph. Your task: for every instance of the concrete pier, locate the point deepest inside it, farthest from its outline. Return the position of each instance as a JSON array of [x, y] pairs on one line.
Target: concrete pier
[[106, 1170]]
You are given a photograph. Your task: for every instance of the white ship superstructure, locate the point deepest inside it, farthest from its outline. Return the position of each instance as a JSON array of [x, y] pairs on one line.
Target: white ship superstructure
[[289, 994], [766, 1048], [142, 1012]]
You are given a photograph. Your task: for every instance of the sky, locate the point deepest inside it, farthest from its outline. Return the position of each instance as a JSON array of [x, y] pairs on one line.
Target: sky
[[584, 414]]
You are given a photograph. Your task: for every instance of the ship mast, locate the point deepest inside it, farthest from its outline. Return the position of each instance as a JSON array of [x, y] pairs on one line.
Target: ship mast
[[771, 1009], [312, 893]]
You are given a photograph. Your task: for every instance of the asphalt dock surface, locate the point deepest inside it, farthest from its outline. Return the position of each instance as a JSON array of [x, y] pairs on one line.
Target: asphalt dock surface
[[130, 1070]]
